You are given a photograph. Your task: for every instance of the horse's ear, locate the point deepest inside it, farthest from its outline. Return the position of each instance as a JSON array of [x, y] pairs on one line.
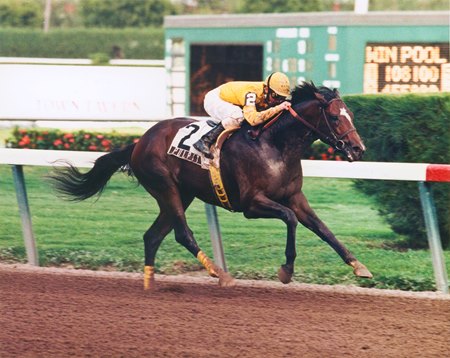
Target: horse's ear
[[321, 98], [336, 92]]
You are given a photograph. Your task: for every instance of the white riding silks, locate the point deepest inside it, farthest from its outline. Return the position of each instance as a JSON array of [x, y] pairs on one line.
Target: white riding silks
[[228, 114]]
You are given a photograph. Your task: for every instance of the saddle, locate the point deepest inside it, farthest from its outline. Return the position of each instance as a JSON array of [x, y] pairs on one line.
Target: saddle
[[216, 147]]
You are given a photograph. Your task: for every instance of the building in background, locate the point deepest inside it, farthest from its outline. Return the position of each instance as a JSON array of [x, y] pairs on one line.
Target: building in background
[[375, 52]]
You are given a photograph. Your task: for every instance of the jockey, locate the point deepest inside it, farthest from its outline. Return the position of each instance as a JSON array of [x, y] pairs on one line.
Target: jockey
[[232, 102]]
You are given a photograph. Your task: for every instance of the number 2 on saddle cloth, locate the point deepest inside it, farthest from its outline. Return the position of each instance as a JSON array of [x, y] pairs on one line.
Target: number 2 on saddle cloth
[[182, 147]]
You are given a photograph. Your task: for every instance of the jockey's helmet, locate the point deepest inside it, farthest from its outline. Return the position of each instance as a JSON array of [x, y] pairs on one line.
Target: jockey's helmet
[[279, 83]]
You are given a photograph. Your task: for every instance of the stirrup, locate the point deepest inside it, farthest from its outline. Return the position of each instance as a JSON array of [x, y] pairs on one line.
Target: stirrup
[[208, 154], [203, 148]]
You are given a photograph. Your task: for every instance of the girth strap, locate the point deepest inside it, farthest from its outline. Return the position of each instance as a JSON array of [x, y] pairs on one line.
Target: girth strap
[[219, 189]]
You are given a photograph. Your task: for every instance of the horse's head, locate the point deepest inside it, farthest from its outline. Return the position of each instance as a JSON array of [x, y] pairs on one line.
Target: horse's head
[[331, 120]]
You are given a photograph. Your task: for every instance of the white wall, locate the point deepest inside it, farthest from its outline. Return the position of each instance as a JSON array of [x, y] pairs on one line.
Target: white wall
[[66, 92]]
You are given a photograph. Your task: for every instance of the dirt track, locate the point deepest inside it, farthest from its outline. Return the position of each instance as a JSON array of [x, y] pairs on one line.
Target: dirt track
[[53, 313]]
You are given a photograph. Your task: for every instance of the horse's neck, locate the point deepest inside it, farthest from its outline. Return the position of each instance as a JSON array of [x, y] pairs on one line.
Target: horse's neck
[[290, 136]]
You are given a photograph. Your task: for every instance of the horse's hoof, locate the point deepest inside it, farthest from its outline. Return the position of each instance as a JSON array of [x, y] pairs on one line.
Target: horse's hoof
[[150, 288], [284, 276], [213, 274], [360, 270], [214, 271], [226, 280]]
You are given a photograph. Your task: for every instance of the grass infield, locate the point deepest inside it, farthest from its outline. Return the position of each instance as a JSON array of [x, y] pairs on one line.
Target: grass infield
[[107, 234]]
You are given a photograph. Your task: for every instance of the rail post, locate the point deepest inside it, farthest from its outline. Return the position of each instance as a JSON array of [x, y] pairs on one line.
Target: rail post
[[24, 210], [216, 238], [434, 238]]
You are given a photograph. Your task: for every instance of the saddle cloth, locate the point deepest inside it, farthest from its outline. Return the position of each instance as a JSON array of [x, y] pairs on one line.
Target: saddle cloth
[[182, 144], [182, 147]]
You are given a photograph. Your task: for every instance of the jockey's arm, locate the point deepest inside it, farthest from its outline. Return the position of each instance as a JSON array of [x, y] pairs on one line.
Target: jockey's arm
[[253, 117]]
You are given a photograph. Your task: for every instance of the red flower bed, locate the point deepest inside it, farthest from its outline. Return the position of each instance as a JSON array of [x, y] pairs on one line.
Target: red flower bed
[[77, 140], [105, 142]]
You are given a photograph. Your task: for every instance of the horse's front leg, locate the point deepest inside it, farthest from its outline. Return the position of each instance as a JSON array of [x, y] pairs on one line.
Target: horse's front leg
[[263, 207], [308, 218]]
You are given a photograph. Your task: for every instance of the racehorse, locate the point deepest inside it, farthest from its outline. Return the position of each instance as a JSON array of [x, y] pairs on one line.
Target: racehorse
[[262, 176]]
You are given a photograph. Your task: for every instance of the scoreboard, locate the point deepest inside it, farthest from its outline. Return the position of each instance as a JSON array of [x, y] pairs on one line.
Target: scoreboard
[[406, 67]]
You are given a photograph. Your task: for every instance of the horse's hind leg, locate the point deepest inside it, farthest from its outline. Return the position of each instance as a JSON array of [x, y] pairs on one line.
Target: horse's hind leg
[[308, 218], [185, 237], [152, 240], [173, 206]]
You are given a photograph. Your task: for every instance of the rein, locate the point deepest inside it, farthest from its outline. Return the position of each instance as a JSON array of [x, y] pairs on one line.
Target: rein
[[272, 121], [335, 141], [255, 133]]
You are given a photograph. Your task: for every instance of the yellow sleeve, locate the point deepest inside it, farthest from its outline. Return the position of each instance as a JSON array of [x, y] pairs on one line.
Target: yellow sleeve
[[252, 116]]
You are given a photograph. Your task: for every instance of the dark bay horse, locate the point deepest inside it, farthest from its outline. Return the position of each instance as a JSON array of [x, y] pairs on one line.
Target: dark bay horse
[[262, 176]]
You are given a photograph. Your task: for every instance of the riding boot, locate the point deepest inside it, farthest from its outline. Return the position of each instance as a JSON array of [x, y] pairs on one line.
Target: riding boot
[[203, 144]]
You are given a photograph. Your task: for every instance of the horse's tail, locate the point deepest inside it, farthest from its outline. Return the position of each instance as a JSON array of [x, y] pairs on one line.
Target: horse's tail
[[76, 186]]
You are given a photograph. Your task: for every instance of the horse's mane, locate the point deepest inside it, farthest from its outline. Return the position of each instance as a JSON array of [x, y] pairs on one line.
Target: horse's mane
[[306, 91], [303, 93]]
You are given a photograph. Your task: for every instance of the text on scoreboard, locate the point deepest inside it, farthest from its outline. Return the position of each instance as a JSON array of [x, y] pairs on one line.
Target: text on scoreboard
[[406, 67]]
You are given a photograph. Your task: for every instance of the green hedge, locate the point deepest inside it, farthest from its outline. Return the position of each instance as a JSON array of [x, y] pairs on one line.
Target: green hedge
[[406, 128], [82, 43]]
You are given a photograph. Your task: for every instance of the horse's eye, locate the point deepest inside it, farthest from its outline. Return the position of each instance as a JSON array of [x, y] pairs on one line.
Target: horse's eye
[[334, 118]]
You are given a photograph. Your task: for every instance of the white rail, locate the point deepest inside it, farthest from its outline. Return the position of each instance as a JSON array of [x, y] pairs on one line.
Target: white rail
[[311, 168]]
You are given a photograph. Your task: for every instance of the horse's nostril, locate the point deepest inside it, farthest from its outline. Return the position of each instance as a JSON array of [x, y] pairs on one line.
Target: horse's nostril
[[358, 152]]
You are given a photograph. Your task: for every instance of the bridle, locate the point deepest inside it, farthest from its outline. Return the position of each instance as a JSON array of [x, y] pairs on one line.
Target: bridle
[[334, 140]]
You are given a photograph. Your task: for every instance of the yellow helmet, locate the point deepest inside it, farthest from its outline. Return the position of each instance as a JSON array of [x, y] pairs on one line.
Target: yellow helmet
[[279, 83]]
